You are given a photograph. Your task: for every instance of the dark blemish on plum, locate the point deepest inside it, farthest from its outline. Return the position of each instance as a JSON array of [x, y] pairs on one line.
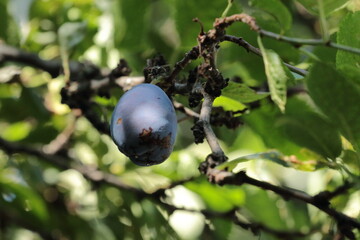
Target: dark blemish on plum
[[148, 138], [145, 133], [119, 121], [165, 142]]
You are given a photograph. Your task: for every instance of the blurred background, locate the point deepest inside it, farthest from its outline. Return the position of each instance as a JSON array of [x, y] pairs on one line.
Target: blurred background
[[41, 201]]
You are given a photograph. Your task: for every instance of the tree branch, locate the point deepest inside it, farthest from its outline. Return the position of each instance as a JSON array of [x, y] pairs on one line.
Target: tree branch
[[204, 118], [11, 54], [241, 42], [327, 195], [97, 176], [65, 163], [227, 21], [223, 177], [314, 42], [178, 106], [180, 65]]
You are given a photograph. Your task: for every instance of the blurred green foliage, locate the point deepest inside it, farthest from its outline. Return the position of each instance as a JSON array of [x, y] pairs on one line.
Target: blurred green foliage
[[320, 130]]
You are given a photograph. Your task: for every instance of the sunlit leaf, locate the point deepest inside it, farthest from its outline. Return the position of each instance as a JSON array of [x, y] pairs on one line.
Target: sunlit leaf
[[228, 104], [17, 131], [242, 93], [329, 5], [19, 9], [273, 156], [275, 9]]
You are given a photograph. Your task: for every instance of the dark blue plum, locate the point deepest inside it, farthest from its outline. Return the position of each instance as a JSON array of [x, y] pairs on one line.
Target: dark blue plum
[[144, 125]]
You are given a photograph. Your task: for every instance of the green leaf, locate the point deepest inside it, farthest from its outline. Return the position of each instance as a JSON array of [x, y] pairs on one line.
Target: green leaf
[[235, 61], [19, 9], [102, 231], [309, 129], [228, 104], [218, 198], [350, 72], [352, 159], [324, 53], [349, 34], [277, 75], [17, 131], [222, 228], [299, 213], [329, 5], [187, 10], [242, 93], [32, 106], [276, 10], [134, 27], [269, 211], [71, 34], [4, 21], [27, 202], [273, 156], [338, 97], [264, 121]]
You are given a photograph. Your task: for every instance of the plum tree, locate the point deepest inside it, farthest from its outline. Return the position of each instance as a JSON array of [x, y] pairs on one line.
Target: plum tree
[[144, 125]]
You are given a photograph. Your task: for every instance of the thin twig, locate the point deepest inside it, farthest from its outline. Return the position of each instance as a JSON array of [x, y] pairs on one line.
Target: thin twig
[[227, 21], [328, 195], [314, 42], [180, 65], [241, 42], [178, 106], [205, 114], [61, 140], [223, 177], [11, 54]]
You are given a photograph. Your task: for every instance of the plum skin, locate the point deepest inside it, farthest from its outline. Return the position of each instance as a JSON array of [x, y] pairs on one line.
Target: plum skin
[[144, 125]]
